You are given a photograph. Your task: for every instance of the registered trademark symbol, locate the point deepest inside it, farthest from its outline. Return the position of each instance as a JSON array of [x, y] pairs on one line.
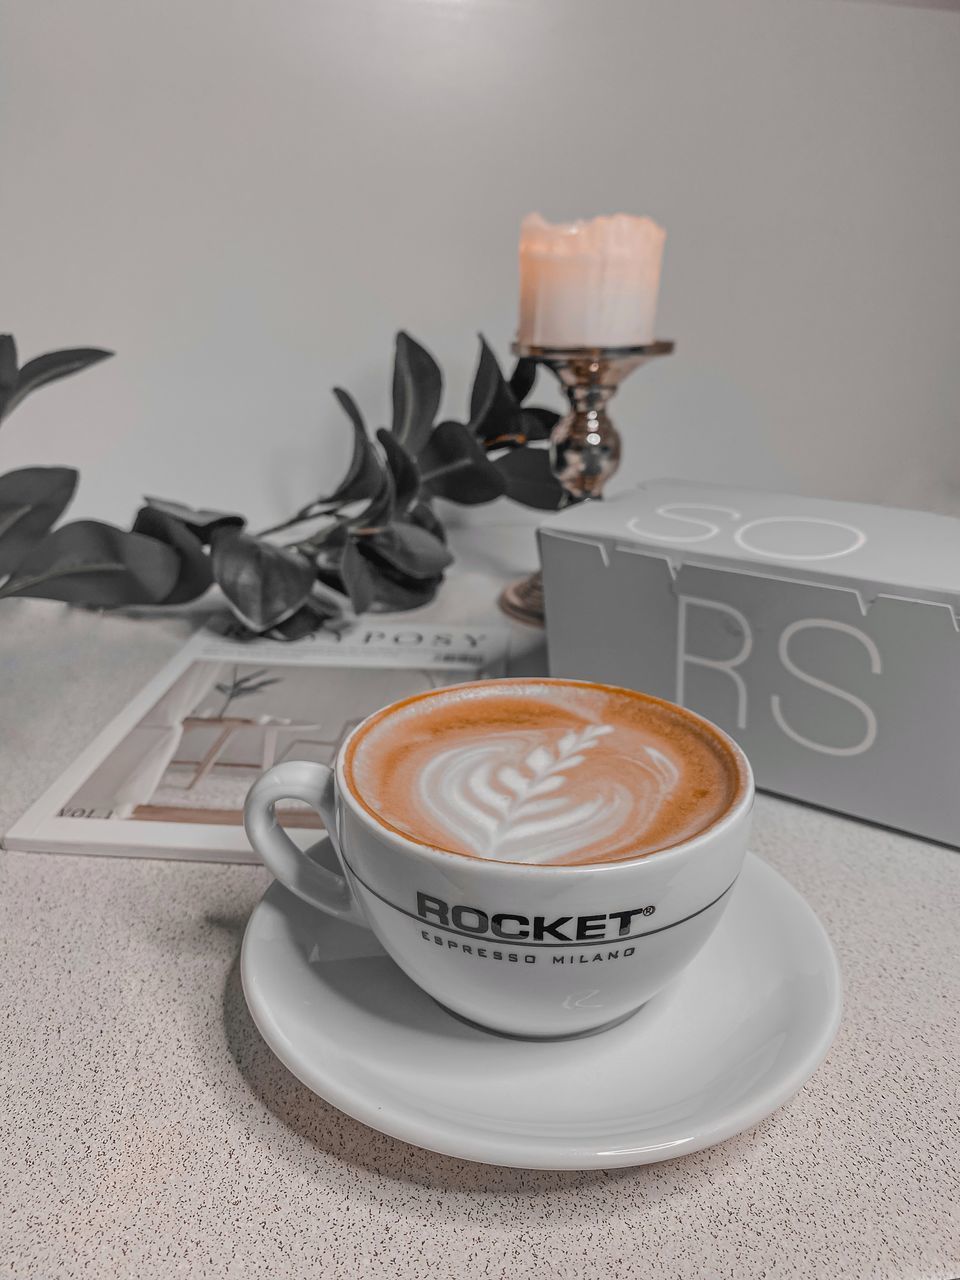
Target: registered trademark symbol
[[648, 911]]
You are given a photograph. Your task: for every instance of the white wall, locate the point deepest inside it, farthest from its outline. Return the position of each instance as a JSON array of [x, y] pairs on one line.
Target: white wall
[[246, 198]]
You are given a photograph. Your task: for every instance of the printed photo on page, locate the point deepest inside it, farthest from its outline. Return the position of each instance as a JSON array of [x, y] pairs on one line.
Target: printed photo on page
[[169, 776]]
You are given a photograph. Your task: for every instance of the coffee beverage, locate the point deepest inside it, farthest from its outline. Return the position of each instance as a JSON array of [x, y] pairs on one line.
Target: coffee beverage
[[494, 836], [550, 772]]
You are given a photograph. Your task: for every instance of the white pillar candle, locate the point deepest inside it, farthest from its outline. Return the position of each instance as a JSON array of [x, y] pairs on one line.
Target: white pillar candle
[[589, 284]]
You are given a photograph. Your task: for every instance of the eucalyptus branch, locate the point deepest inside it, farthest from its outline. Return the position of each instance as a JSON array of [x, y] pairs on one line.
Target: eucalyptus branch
[[381, 544]]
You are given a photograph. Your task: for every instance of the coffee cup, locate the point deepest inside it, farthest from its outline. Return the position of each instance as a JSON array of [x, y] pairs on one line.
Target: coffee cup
[[540, 856]]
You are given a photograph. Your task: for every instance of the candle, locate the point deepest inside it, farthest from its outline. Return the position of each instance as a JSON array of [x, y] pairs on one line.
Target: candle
[[589, 284]]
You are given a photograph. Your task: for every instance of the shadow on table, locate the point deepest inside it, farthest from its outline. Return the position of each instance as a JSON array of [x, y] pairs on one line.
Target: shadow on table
[[326, 1129]]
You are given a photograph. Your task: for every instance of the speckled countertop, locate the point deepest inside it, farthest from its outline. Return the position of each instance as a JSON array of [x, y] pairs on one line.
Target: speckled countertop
[[147, 1131]]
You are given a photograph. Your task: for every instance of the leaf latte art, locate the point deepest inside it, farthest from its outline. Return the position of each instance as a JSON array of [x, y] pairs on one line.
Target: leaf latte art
[[510, 797], [540, 772]]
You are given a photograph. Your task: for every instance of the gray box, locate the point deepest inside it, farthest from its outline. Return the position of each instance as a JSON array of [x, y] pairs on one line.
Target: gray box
[[823, 636]]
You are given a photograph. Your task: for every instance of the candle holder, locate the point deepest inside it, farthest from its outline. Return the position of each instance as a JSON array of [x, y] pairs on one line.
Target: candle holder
[[584, 444]]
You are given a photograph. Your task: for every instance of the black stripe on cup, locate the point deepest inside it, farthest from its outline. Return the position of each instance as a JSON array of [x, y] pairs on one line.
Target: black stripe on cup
[[518, 942]]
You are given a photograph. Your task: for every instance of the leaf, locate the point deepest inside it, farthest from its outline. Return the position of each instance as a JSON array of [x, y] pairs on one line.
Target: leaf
[[406, 477], [537, 423], [298, 626], [8, 366], [423, 515], [330, 539], [90, 563], [410, 549], [523, 377], [365, 473], [204, 524], [453, 465], [328, 573], [48, 368], [308, 620], [528, 479], [263, 584], [358, 577], [494, 410], [417, 387], [380, 510], [31, 500], [397, 593], [196, 574]]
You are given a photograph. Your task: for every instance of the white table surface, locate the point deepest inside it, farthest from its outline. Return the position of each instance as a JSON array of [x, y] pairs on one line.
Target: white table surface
[[147, 1131]]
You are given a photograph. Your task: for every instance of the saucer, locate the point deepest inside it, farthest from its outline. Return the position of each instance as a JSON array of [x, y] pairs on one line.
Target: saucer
[[733, 1039]]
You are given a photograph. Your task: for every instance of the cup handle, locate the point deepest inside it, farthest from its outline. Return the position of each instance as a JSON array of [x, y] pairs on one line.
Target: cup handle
[[314, 785]]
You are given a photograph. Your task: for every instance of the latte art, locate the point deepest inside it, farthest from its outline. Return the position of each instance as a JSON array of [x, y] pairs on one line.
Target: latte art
[[540, 772], [508, 797]]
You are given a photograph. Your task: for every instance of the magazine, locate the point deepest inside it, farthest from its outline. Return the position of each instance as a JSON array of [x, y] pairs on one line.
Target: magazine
[[168, 776]]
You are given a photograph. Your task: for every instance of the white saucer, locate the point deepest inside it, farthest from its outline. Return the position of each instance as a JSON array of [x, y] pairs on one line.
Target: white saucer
[[744, 1027]]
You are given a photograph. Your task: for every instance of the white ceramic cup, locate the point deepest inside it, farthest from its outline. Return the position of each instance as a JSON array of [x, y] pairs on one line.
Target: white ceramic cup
[[525, 950]]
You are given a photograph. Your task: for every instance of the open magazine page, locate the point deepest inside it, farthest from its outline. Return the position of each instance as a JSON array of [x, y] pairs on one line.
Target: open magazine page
[[168, 777]]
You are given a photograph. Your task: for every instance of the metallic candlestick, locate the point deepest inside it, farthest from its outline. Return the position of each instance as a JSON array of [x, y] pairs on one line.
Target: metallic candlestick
[[584, 444]]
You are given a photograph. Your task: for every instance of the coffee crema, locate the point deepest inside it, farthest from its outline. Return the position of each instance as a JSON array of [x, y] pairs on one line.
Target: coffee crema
[[542, 772]]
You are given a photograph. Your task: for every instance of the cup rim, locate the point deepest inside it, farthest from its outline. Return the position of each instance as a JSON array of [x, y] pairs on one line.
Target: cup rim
[[740, 807]]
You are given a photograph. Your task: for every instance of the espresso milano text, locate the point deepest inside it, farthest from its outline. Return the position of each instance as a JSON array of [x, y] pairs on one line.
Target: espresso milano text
[[508, 926]]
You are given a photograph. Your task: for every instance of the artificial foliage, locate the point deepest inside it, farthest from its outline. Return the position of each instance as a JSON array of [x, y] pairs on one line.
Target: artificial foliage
[[375, 541]]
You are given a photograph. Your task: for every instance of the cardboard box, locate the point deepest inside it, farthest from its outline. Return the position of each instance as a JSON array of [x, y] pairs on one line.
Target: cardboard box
[[823, 636]]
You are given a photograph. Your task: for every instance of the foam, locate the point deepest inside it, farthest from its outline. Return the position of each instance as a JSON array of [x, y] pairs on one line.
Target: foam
[[536, 771]]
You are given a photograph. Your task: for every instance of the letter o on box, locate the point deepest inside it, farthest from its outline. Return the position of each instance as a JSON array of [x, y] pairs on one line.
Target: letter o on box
[[457, 917]]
